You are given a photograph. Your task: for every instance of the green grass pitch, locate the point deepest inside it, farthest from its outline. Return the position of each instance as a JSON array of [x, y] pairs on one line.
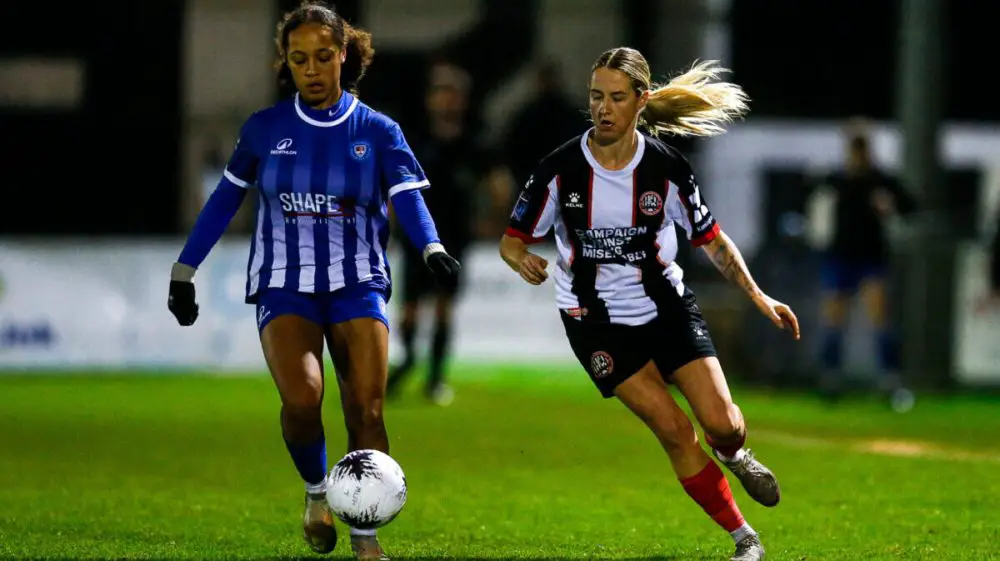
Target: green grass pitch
[[527, 464]]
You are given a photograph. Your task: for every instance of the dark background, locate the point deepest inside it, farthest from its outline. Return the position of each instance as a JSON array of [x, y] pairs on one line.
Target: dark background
[[112, 167]]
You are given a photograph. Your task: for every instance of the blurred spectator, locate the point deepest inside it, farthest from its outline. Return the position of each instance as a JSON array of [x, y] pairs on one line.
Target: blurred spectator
[[542, 124], [855, 263], [469, 189]]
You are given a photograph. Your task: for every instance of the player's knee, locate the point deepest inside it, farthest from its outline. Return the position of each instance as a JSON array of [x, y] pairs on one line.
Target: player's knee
[[834, 310], [371, 415], [409, 316], [876, 313], [671, 426], [365, 414], [724, 423], [304, 399], [442, 311], [676, 433]]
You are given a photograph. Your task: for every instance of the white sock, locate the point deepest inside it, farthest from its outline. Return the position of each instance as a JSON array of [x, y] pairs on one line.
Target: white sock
[[742, 532], [736, 457], [315, 488], [361, 532]]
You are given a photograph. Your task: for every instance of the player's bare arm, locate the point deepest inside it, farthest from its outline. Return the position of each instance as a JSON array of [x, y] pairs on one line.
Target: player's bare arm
[[729, 261], [515, 254]]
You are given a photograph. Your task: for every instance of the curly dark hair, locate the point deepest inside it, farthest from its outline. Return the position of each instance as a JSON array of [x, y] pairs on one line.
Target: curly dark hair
[[357, 43]]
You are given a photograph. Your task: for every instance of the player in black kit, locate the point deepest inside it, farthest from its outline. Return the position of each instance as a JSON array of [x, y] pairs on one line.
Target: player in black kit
[[457, 164]]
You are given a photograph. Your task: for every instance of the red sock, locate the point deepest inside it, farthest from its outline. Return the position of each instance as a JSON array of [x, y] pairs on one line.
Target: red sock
[[710, 489], [727, 450]]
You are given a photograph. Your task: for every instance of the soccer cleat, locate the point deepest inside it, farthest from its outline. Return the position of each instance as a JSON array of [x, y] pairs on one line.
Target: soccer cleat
[[317, 524], [441, 395], [759, 482], [748, 549], [901, 400], [367, 547]]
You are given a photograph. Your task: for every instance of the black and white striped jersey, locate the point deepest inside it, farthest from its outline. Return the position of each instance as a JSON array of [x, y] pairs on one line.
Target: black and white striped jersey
[[614, 230]]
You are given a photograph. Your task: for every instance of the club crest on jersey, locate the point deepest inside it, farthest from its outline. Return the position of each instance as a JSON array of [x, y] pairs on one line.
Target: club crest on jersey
[[360, 150], [601, 364], [650, 203]]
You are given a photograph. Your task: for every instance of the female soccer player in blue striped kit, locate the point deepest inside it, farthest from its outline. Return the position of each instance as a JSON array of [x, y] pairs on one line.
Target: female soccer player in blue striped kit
[[324, 166]]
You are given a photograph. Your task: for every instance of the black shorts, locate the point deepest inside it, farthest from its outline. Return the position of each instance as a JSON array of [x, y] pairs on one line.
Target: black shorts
[[612, 352], [419, 282]]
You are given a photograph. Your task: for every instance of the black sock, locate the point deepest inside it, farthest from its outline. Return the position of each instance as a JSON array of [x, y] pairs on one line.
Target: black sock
[[439, 353], [408, 332]]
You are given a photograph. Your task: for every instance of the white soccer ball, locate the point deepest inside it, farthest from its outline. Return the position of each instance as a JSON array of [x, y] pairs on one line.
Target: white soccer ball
[[366, 489]]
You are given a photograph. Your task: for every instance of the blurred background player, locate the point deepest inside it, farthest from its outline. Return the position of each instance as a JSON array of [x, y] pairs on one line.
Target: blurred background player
[[614, 196], [541, 124], [317, 268], [466, 177], [857, 258]]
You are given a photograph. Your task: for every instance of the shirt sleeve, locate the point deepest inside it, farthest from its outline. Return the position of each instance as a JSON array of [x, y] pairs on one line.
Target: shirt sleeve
[[399, 167], [689, 208], [537, 207], [241, 169]]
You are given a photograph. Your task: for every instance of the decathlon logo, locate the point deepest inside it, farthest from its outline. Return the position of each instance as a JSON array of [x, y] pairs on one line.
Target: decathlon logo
[[282, 148]]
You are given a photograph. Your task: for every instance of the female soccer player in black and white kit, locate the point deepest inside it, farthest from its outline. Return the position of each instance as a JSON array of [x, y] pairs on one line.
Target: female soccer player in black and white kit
[[613, 196]]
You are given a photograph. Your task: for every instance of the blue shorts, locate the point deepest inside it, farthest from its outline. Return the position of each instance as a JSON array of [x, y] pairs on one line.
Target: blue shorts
[[359, 301], [845, 276]]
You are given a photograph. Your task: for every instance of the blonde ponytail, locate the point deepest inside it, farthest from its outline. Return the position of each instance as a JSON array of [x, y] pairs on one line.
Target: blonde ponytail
[[692, 104]]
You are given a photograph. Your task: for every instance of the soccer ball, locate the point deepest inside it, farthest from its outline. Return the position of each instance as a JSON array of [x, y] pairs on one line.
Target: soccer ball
[[366, 489]]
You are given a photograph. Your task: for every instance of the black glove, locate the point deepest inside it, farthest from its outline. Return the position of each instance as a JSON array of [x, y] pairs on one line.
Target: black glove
[[445, 269], [182, 302]]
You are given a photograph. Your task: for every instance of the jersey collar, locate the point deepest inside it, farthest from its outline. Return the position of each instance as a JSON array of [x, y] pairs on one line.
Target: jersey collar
[[327, 117], [601, 170]]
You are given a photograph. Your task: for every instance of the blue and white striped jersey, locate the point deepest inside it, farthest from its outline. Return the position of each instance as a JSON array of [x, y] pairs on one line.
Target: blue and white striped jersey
[[323, 179]]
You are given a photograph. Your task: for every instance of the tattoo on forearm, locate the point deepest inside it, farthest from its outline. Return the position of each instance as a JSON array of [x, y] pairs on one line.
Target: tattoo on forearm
[[728, 260]]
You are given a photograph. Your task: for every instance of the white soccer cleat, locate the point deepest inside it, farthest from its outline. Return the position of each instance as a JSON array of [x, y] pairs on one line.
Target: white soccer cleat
[[758, 481], [442, 395], [748, 549]]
